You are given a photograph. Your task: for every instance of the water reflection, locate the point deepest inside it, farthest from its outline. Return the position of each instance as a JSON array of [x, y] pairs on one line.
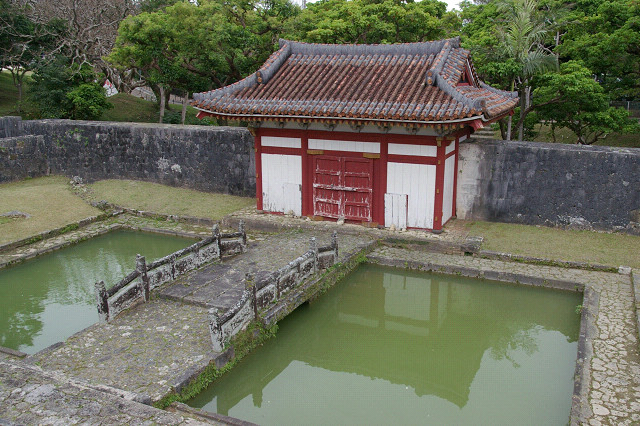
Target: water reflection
[[429, 335], [45, 300]]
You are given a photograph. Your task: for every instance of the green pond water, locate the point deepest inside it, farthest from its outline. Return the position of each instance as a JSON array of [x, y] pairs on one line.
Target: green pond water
[[47, 299], [389, 346]]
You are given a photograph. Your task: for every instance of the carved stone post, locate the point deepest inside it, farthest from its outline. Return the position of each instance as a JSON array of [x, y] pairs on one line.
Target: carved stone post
[[141, 267], [216, 234], [215, 329], [313, 247], [334, 244], [244, 235], [102, 299], [250, 286]]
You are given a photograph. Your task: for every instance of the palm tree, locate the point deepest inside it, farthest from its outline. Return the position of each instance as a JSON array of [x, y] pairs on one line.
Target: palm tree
[[522, 40]]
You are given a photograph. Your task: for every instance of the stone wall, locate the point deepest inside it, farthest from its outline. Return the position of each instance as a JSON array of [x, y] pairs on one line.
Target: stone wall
[[552, 184], [217, 159]]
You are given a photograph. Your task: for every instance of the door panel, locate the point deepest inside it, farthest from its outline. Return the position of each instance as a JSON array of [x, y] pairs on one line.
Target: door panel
[[342, 187]]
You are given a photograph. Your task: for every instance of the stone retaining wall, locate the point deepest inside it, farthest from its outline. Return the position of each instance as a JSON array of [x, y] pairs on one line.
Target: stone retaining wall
[[552, 184], [216, 159]]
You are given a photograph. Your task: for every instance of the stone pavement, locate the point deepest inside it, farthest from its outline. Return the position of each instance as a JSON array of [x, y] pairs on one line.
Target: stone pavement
[[613, 370], [30, 396]]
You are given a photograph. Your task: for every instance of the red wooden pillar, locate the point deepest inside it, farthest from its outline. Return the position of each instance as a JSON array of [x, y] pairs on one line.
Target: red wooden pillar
[[455, 176], [437, 210], [307, 175], [382, 187], [258, 159]]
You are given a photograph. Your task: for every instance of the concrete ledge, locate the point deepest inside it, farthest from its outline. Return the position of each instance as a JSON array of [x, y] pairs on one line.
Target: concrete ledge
[[487, 254], [580, 407], [105, 230], [54, 232], [478, 273], [635, 289], [203, 221], [205, 416], [12, 352]]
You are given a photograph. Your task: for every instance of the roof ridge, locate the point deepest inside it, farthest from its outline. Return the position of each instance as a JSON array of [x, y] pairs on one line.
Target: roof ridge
[[416, 48], [271, 66]]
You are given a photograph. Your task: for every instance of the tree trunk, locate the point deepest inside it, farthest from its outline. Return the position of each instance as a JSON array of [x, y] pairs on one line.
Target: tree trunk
[[503, 130], [162, 99], [185, 99], [524, 104], [509, 121]]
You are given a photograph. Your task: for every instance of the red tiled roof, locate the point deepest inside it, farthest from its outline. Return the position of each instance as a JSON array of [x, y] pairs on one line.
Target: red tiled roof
[[413, 83]]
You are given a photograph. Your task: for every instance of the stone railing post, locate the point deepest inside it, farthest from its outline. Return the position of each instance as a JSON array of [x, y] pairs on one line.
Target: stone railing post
[[215, 230], [313, 247], [102, 299], [250, 286], [215, 329], [334, 244], [242, 230], [141, 268]]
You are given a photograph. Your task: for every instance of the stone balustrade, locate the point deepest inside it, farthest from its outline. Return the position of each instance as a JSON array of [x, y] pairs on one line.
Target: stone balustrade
[[136, 286]]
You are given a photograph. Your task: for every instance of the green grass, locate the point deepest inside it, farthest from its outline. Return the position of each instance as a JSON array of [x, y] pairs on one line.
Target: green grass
[[563, 135], [612, 249], [158, 198], [630, 140], [128, 108], [50, 202], [8, 94]]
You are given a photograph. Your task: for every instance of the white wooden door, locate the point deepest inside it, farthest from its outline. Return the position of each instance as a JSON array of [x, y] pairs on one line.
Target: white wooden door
[[418, 181], [281, 174]]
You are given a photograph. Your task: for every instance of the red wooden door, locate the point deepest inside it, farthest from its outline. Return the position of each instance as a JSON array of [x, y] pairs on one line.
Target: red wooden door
[[342, 187]]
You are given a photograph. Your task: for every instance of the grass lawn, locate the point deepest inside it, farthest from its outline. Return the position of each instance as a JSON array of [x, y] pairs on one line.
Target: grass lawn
[[8, 94], [558, 244], [168, 200], [129, 108], [629, 140], [50, 202]]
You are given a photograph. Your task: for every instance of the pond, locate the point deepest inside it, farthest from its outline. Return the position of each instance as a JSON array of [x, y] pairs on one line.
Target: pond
[[391, 346], [47, 299]]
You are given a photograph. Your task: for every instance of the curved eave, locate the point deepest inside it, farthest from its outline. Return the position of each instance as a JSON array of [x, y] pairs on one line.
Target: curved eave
[[359, 121]]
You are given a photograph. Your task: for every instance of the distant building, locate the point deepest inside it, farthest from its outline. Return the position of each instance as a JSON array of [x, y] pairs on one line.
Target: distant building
[[110, 88], [365, 133]]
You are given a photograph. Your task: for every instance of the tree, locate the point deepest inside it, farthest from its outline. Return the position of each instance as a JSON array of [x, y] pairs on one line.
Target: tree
[[522, 42], [61, 90], [23, 42], [90, 30], [373, 21], [196, 47], [572, 98], [605, 36]]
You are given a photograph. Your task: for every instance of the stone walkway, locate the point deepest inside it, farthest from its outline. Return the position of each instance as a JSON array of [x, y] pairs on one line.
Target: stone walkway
[[156, 347], [613, 373], [30, 396]]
